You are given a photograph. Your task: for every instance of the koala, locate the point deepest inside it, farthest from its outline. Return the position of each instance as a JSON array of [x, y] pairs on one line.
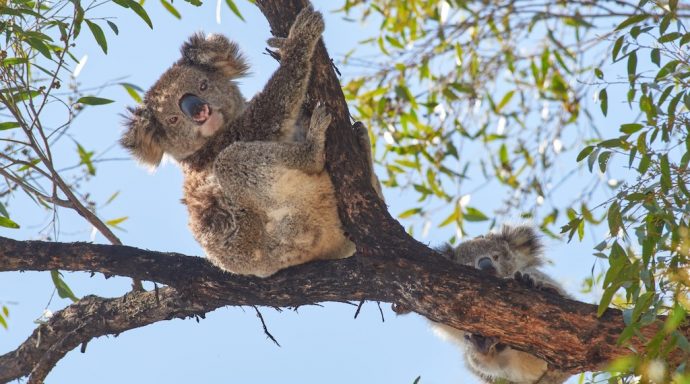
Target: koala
[[258, 200], [512, 252]]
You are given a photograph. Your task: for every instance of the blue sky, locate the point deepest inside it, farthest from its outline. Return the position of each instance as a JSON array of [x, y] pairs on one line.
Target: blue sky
[[319, 344]]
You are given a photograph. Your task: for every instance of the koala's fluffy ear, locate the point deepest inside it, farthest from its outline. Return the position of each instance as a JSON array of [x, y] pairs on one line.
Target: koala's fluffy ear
[[525, 240], [142, 137], [216, 52]]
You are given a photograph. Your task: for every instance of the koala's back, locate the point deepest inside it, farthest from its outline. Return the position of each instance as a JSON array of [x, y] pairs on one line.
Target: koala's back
[[290, 219]]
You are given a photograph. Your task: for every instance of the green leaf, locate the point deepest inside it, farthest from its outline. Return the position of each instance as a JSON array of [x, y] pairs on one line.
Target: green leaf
[[598, 73], [655, 55], [78, 17], [115, 222], [631, 128], [40, 46], [7, 223], [455, 216], [505, 100], [603, 160], [170, 8], [98, 34], [584, 153], [503, 155], [632, 66], [669, 37], [133, 91], [9, 125], [139, 10], [113, 26], [92, 100], [3, 322], [3, 211], [14, 61], [234, 9], [111, 198], [684, 40], [416, 381], [473, 214], [63, 289], [665, 173], [409, 212], [604, 99], [634, 19], [615, 218], [26, 167], [676, 317], [606, 298], [85, 158], [617, 47]]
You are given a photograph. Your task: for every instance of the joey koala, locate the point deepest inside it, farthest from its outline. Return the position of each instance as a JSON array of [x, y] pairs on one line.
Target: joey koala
[[258, 201], [513, 252]]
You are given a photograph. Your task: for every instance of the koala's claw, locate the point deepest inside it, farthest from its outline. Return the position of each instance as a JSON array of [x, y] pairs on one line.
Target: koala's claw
[[525, 279], [276, 42], [320, 120], [308, 24], [530, 282]]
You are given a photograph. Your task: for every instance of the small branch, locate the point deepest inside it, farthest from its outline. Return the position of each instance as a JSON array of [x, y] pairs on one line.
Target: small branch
[[359, 307], [263, 324], [83, 321]]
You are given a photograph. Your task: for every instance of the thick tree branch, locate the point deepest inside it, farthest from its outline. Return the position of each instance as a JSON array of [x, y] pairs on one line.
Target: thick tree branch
[[564, 332]]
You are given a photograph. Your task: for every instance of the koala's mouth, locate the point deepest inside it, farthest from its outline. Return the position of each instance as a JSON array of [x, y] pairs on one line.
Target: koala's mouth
[[195, 108]]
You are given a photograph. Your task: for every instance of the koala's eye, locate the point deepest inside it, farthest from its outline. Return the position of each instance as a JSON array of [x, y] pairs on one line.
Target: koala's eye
[[172, 120], [485, 264], [204, 85]]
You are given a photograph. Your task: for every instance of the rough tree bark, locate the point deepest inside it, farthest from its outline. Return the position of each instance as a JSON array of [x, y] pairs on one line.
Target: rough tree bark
[[389, 266]]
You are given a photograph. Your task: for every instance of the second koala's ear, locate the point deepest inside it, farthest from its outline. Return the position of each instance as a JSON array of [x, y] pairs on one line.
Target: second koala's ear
[[142, 137], [215, 51], [525, 240]]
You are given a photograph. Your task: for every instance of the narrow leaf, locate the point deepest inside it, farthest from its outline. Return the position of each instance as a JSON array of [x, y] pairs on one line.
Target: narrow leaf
[[170, 8], [9, 125], [115, 222], [234, 9], [63, 289], [98, 34], [7, 223], [92, 100]]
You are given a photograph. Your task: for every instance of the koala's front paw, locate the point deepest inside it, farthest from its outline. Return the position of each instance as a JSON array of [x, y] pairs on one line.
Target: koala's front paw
[[320, 120], [530, 282], [308, 25]]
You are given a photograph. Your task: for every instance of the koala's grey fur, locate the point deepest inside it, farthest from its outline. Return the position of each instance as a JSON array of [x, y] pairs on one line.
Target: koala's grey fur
[[258, 202], [513, 252]]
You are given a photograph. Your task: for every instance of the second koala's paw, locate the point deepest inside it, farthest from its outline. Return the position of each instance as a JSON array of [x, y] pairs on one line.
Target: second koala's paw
[[530, 282], [308, 25]]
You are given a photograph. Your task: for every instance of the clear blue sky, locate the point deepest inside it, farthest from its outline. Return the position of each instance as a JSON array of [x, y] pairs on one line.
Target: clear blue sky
[[319, 344]]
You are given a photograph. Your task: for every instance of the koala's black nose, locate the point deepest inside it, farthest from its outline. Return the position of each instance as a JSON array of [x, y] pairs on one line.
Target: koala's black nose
[[485, 264], [194, 107], [481, 343]]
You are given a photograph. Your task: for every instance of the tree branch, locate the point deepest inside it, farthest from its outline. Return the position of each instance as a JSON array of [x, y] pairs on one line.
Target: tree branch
[[566, 333]]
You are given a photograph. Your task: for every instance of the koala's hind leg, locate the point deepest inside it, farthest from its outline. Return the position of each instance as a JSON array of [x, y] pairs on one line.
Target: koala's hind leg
[[365, 145]]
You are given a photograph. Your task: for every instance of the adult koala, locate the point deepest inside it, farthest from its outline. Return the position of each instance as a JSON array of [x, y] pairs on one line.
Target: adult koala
[[258, 202]]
